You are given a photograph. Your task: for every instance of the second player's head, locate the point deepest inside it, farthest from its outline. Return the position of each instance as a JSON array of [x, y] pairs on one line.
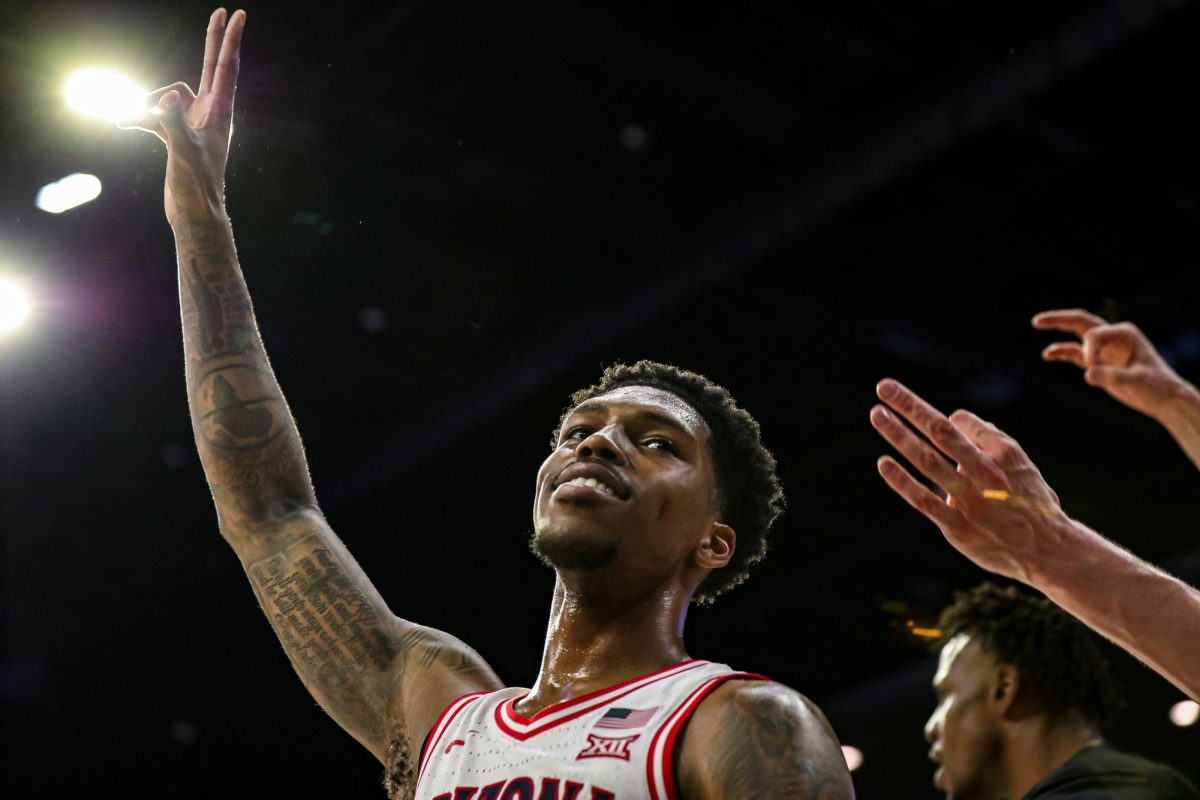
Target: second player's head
[[656, 476], [1012, 665]]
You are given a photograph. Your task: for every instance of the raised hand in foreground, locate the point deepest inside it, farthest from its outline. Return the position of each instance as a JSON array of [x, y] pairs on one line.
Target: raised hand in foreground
[[999, 512]]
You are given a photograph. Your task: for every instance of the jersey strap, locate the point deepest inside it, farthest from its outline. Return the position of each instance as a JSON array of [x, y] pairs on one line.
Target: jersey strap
[[660, 774], [433, 741]]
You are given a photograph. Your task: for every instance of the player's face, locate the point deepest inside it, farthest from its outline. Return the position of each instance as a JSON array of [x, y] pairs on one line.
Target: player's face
[[964, 729], [629, 484]]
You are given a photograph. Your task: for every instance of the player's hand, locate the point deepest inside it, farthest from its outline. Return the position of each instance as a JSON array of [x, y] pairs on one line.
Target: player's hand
[[1116, 357], [996, 509], [196, 126]]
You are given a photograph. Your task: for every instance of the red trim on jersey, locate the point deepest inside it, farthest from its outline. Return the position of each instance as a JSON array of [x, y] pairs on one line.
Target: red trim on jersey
[[435, 735], [598, 698], [674, 724]]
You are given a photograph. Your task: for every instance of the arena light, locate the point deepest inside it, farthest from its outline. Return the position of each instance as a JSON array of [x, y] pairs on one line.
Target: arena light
[[104, 94], [14, 305], [853, 756], [1185, 713], [74, 190]]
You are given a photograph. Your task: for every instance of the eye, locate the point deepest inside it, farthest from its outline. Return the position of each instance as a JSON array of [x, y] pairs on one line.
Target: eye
[[576, 433], [658, 443]]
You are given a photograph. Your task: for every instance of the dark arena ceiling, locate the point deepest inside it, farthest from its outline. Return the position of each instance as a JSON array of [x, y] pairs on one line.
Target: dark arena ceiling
[[452, 214]]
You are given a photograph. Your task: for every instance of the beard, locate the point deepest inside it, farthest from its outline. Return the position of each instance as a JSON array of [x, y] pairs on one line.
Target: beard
[[573, 553]]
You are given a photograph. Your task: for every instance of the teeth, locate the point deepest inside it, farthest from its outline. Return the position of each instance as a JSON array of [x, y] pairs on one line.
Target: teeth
[[591, 483]]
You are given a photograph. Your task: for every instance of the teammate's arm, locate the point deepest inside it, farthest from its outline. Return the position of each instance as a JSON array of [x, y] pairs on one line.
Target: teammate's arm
[[761, 740], [998, 511], [382, 679], [1119, 359]]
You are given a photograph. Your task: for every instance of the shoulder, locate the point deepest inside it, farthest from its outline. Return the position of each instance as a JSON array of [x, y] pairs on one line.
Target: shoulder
[[1102, 770], [753, 738]]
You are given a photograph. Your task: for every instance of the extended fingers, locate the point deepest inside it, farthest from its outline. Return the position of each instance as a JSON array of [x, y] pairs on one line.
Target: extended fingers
[[920, 454], [1071, 320], [212, 47], [915, 493], [1066, 351], [228, 60], [929, 421]]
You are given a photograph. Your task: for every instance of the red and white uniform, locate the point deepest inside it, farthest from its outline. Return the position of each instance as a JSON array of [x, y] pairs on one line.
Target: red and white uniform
[[613, 744]]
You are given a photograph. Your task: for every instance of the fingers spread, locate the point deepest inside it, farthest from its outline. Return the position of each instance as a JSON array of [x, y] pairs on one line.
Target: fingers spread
[[1073, 320], [1066, 351], [916, 494], [929, 421], [925, 458], [212, 46], [226, 74]]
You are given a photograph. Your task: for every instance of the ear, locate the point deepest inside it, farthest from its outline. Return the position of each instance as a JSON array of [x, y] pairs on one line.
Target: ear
[[717, 547], [1006, 683]]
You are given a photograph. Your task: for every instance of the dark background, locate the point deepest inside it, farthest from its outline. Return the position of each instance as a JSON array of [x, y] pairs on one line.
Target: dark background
[[452, 214]]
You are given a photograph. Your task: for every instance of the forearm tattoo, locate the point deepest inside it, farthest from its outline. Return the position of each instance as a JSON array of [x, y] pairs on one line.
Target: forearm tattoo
[[247, 440], [767, 751]]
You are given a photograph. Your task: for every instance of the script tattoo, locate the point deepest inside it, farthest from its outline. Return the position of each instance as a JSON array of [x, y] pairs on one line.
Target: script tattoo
[[763, 751], [330, 628]]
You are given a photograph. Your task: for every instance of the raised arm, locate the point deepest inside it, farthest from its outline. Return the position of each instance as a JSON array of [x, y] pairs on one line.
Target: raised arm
[[998, 511], [382, 679], [1119, 359]]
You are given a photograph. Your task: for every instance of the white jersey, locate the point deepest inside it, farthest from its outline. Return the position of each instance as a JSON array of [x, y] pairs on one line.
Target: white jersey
[[612, 744]]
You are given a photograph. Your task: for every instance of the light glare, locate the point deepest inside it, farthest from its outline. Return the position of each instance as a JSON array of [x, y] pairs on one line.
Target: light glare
[[853, 756], [73, 190], [14, 305], [1185, 713], [105, 94]]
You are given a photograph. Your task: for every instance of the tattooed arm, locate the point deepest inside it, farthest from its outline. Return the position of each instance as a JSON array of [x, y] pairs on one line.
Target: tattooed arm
[[761, 740], [381, 678]]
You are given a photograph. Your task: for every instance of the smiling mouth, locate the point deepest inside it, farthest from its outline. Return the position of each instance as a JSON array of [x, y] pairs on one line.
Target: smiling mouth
[[583, 485]]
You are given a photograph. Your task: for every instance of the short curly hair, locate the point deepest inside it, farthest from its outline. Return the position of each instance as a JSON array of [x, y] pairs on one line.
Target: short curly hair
[[749, 495], [1056, 655]]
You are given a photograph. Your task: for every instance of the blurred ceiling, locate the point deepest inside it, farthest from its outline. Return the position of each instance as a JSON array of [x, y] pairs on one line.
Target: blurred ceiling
[[452, 214]]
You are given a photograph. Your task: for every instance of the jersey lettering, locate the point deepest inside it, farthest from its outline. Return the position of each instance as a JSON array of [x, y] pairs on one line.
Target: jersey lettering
[[522, 789]]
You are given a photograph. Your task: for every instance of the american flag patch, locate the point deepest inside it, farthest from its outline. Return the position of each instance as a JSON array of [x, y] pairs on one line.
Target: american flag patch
[[626, 717]]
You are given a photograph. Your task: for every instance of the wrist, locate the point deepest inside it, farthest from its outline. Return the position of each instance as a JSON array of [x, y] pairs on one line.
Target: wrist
[[1061, 554], [186, 224]]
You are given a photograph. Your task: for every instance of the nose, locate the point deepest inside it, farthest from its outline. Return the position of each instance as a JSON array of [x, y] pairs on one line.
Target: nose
[[933, 727], [603, 445]]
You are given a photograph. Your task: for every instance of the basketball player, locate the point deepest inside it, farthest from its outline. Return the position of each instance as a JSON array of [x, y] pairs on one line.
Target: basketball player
[[657, 491], [1023, 698]]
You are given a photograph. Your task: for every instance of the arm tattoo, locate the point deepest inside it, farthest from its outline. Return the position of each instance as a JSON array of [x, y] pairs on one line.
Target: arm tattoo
[[247, 439], [767, 750], [334, 630]]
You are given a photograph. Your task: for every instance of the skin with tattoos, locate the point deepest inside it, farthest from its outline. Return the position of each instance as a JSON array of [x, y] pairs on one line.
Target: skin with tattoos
[[384, 679]]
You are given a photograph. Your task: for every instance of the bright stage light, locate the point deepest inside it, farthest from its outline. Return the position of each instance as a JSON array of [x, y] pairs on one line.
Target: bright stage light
[[14, 305], [1185, 713], [73, 190], [854, 757], [105, 94]]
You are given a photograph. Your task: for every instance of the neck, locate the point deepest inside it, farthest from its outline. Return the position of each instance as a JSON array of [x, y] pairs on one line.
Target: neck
[[597, 641], [1040, 745]]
